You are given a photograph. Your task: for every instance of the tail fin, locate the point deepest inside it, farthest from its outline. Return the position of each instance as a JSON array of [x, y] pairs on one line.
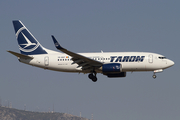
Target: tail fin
[[28, 44]]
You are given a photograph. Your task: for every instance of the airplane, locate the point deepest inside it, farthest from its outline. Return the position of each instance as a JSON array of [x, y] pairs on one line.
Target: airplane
[[111, 64]]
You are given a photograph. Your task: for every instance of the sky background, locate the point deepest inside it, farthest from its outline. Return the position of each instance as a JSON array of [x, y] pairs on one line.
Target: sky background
[[92, 26]]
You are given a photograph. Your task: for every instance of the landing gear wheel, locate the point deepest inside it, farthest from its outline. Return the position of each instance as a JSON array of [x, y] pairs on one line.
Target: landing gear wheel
[[154, 76], [92, 76], [94, 79]]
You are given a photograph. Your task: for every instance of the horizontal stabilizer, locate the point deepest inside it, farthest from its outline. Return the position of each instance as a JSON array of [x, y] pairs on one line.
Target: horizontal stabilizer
[[20, 55]]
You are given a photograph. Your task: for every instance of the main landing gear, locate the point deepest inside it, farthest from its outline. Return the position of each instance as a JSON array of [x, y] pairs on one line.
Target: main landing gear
[[92, 76]]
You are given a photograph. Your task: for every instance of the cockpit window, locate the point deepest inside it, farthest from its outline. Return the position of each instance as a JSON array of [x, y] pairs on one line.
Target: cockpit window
[[162, 57]]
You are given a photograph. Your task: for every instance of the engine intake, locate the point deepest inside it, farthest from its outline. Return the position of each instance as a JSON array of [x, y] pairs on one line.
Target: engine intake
[[111, 68]]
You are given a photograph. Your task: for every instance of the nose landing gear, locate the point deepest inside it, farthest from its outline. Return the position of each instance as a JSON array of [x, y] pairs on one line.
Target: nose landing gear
[[154, 76], [156, 71]]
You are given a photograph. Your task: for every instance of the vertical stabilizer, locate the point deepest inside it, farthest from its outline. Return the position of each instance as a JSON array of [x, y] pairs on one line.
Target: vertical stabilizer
[[28, 44]]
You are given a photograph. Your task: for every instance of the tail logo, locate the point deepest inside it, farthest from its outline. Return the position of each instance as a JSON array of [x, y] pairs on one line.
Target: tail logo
[[27, 42]]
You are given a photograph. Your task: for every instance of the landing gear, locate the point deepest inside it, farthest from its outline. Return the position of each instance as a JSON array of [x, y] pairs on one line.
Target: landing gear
[[92, 76], [154, 76], [156, 71]]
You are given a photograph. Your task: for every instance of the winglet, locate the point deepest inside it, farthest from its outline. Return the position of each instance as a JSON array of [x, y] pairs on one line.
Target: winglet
[[57, 45]]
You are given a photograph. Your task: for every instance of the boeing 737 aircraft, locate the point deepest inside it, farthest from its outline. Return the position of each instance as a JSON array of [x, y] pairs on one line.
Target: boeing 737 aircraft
[[111, 64]]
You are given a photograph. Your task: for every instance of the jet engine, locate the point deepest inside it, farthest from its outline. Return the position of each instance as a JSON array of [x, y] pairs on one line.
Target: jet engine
[[113, 70]]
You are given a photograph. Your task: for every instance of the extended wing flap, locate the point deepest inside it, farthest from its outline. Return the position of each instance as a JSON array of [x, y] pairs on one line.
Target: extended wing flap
[[77, 58], [20, 55]]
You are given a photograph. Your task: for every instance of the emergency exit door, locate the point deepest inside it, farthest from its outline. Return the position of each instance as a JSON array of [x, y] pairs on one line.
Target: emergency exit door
[[150, 58], [46, 61]]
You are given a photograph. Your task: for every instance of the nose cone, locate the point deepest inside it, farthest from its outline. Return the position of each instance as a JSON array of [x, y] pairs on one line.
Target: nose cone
[[170, 63]]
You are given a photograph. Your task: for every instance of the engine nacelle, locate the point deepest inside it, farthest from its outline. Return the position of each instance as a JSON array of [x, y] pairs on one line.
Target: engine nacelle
[[111, 68], [122, 74]]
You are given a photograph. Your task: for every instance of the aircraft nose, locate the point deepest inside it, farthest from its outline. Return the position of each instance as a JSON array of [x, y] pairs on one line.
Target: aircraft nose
[[171, 63]]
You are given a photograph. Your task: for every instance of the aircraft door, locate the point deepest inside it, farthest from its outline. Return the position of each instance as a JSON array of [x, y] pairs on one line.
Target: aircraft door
[[150, 58], [46, 61]]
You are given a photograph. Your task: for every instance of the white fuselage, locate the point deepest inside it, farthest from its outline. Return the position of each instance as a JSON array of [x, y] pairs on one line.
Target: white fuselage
[[130, 61]]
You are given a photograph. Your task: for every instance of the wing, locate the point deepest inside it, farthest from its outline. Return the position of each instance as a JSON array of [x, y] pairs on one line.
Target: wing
[[83, 61]]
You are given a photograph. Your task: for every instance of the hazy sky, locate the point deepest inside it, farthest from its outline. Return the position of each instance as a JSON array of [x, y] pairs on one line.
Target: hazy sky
[[92, 26]]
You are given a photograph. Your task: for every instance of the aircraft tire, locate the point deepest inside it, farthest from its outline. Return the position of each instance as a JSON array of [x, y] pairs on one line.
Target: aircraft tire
[[94, 79], [91, 76], [154, 76]]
